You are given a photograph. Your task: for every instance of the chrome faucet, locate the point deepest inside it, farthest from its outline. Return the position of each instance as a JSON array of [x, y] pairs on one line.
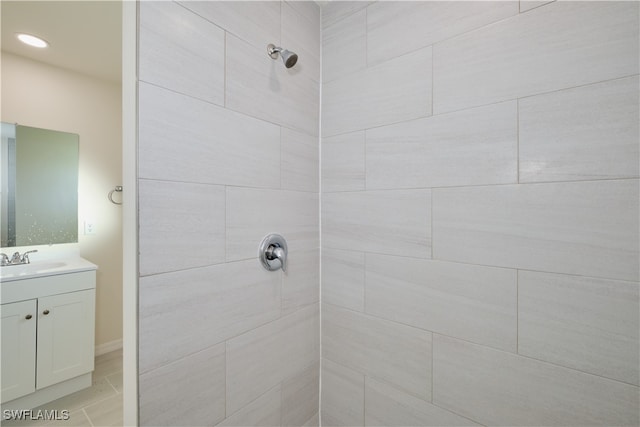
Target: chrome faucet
[[16, 258], [25, 256]]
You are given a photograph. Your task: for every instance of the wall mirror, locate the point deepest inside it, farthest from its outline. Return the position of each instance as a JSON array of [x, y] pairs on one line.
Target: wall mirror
[[38, 186]]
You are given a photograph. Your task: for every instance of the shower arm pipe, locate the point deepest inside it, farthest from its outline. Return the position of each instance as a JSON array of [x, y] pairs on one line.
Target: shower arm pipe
[[273, 51]]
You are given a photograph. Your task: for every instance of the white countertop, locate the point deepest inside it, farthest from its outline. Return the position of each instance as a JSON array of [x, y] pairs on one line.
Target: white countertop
[[42, 268]]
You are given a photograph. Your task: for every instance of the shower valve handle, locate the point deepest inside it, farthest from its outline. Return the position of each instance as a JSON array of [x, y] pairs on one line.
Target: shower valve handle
[[273, 252], [277, 253]]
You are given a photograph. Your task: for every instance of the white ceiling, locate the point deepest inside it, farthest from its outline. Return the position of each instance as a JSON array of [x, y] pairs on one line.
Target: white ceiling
[[84, 36]]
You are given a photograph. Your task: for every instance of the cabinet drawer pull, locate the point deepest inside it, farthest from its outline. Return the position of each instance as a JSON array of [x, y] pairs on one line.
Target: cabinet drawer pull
[[28, 316], [45, 312]]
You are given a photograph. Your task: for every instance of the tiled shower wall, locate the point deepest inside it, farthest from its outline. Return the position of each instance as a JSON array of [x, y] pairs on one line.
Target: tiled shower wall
[[228, 153], [480, 213]]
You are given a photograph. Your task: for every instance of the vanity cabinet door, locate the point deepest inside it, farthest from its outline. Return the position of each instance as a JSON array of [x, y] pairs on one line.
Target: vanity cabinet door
[[18, 349], [65, 336]]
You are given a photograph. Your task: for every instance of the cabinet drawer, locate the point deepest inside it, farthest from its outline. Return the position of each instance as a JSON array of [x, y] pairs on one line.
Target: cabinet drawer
[[20, 290]]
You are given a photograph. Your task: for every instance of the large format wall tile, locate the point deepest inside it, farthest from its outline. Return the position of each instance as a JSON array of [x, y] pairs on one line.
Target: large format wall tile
[[301, 282], [265, 411], [313, 421], [254, 213], [504, 389], [395, 28], [471, 147], [300, 158], [470, 302], [185, 139], [584, 133], [256, 22], [261, 87], [398, 354], [181, 51], [391, 92], [186, 311], [580, 322], [344, 47], [343, 162], [342, 396], [343, 278], [301, 36], [300, 396], [265, 356], [395, 222], [186, 392], [532, 4], [332, 12], [181, 225], [309, 9], [563, 44], [585, 228], [388, 406]]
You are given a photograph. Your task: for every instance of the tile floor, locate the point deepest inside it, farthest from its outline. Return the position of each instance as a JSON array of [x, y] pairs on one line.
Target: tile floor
[[97, 406]]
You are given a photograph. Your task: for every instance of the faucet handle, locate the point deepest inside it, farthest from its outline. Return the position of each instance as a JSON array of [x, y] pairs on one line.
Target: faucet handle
[[275, 252], [25, 256], [15, 258]]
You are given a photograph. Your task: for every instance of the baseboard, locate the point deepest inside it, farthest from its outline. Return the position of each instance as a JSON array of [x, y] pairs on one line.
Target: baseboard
[[108, 347]]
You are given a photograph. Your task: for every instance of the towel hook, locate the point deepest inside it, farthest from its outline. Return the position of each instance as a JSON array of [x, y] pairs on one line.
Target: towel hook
[[110, 196]]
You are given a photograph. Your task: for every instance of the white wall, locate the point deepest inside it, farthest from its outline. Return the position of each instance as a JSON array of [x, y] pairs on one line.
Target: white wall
[[228, 153], [480, 213], [38, 95]]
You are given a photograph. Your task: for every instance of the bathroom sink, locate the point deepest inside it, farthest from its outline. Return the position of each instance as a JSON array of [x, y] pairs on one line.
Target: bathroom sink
[[44, 268], [33, 268]]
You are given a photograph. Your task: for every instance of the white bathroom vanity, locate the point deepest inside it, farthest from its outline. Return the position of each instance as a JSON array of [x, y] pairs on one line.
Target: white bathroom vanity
[[48, 323]]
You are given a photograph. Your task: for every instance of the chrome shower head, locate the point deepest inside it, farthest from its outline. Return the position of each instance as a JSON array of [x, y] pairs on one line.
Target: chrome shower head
[[289, 58]]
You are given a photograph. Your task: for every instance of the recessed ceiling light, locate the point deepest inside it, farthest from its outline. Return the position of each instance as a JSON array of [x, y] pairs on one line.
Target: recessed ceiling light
[[32, 40]]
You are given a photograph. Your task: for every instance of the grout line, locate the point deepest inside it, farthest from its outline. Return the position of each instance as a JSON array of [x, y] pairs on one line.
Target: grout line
[[364, 155], [280, 169], [248, 187], [533, 8], [364, 284], [519, 269], [226, 368], [591, 180], [226, 225], [460, 415], [320, 249], [364, 399], [226, 340], [476, 344], [470, 107], [432, 352], [111, 384], [281, 401], [431, 223], [517, 312], [366, 37], [280, 12], [546, 362], [224, 88], [244, 113], [432, 79], [518, 141], [88, 418]]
